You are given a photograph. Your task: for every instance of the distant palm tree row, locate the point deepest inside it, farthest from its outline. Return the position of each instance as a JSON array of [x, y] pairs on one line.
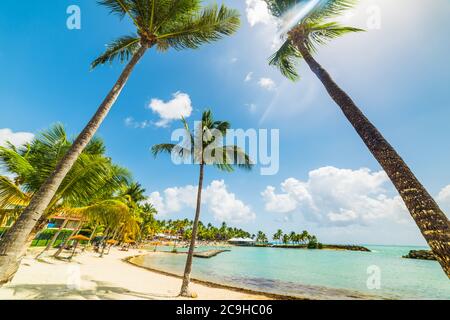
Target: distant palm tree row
[[183, 230], [303, 238]]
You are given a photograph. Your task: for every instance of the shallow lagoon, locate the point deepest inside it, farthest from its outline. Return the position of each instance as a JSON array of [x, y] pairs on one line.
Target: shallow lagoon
[[316, 273]]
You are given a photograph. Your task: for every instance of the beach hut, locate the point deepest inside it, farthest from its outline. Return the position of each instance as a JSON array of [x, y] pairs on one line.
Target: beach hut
[[242, 241]]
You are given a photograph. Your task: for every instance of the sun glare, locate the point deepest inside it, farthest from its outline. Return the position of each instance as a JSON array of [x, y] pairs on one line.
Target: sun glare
[[295, 14]]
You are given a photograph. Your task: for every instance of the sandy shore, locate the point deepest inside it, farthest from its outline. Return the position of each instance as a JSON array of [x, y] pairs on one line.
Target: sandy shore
[[90, 277]]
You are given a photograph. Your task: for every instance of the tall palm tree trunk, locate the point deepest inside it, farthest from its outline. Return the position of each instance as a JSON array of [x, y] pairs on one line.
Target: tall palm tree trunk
[[430, 219], [54, 238], [187, 270], [12, 245], [92, 235], [65, 242]]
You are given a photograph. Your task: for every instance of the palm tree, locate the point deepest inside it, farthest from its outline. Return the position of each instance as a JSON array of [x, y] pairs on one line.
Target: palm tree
[[285, 238], [205, 148], [278, 235], [293, 237], [304, 236], [177, 24], [260, 237], [301, 42]]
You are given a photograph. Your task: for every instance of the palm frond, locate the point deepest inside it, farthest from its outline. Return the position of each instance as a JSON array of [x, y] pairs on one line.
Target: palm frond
[[11, 195], [109, 212], [121, 49], [312, 30], [170, 148], [285, 59], [321, 34], [327, 9], [226, 157], [14, 162], [173, 11], [89, 178], [210, 25], [279, 7], [122, 8]]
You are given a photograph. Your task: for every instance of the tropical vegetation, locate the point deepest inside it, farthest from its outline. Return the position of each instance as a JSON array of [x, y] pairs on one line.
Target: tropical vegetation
[[97, 193]]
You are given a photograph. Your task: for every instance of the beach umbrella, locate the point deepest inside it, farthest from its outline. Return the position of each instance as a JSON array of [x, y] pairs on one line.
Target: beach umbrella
[[79, 237]]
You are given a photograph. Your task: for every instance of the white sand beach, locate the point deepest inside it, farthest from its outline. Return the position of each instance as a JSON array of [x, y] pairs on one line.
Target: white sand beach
[[90, 277]]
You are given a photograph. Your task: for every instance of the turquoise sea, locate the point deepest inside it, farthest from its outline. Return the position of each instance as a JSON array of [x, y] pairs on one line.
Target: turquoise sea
[[325, 274]]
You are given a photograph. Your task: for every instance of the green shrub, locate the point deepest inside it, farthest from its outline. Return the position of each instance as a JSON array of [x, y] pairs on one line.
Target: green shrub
[[44, 237], [313, 244]]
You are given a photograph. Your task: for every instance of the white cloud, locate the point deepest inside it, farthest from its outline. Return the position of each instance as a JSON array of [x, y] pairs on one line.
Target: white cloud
[[257, 12], [179, 106], [266, 83], [443, 199], [248, 77], [16, 138], [251, 107], [130, 122], [333, 196], [234, 60], [224, 205], [215, 197]]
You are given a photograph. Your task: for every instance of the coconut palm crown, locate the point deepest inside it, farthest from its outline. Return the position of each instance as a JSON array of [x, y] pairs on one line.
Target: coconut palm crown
[[205, 148], [313, 30]]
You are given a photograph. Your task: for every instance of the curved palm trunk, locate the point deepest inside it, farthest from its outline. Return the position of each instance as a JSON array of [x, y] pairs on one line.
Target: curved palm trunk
[[12, 245], [187, 270], [430, 219], [92, 235]]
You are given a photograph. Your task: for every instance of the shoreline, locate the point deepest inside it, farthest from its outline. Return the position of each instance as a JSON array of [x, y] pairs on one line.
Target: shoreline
[[117, 277], [214, 284], [89, 277], [339, 294]]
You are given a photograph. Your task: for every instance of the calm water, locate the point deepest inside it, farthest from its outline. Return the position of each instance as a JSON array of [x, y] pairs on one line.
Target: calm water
[[316, 273]]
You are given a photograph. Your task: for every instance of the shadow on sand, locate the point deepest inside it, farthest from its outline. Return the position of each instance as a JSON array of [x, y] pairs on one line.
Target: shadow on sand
[[101, 290]]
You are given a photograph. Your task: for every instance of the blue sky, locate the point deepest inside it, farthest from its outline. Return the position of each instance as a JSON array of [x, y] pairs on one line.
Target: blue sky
[[398, 74]]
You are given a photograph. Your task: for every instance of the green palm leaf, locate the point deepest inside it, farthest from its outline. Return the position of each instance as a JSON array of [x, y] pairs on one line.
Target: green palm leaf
[[208, 26], [121, 49], [309, 32], [11, 195], [285, 59]]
